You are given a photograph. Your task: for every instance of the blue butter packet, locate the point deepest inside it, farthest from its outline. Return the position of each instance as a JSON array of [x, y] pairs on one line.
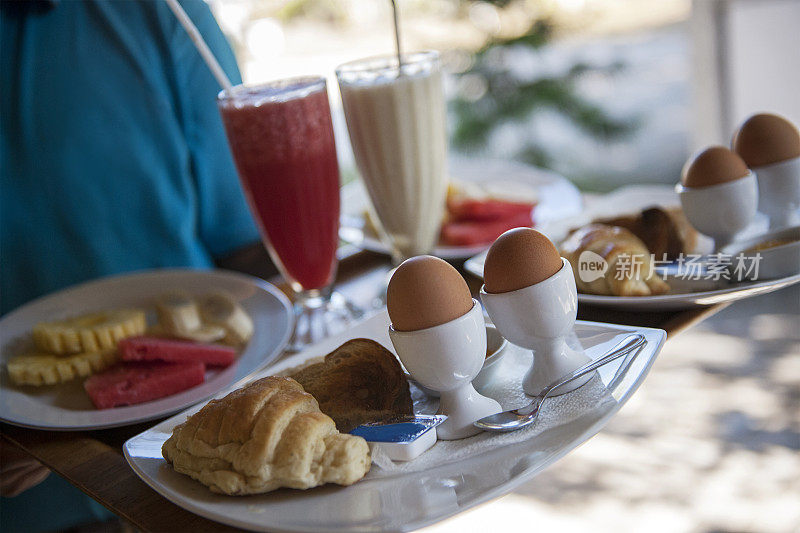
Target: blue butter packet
[[401, 438]]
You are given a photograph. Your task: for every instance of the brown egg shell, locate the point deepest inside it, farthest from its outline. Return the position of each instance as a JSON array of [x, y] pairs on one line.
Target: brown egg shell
[[424, 292], [766, 139], [713, 166], [519, 258]]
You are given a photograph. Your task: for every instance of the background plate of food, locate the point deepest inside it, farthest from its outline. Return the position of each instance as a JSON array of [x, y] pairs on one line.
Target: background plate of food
[[672, 270], [485, 198], [131, 348], [355, 376]]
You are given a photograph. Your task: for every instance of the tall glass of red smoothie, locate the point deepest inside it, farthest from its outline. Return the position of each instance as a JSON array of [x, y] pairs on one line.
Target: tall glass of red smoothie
[[281, 137]]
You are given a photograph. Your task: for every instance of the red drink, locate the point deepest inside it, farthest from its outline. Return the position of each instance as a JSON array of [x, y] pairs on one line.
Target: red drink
[[281, 137]]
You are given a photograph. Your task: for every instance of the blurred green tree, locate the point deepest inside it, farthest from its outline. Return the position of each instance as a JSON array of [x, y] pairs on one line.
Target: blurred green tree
[[504, 97]]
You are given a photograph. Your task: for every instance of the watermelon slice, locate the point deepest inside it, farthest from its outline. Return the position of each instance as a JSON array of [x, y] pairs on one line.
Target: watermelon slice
[[174, 351], [133, 383], [473, 233], [486, 209]]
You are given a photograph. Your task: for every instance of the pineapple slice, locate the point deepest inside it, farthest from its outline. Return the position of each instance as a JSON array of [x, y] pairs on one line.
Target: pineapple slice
[[92, 332], [48, 369]]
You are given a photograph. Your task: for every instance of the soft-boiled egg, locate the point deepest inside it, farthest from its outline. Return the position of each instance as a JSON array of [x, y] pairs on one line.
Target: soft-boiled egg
[[713, 166], [424, 292], [519, 258], [765, 139]]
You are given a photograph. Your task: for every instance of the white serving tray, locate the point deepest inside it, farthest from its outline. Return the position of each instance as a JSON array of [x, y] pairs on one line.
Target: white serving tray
[[409, 498]]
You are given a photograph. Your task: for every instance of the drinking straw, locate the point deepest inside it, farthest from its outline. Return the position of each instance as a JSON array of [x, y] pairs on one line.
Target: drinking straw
[[397, 37], [200, 44]]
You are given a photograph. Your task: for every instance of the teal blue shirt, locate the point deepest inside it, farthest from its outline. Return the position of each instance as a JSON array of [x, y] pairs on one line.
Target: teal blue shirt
[[112, 153]]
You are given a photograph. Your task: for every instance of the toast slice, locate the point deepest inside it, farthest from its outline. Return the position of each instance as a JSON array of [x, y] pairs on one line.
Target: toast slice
[[358, 382]]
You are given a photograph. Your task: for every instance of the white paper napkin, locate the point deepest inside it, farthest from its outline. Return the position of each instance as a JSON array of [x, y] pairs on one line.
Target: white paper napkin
[[507, 389]]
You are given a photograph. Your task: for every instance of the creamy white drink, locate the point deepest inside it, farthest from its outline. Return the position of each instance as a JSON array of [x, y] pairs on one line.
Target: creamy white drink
[[396, 121]]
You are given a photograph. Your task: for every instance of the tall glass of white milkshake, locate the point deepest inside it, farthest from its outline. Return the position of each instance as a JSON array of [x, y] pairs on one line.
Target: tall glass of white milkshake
[[396, 120]]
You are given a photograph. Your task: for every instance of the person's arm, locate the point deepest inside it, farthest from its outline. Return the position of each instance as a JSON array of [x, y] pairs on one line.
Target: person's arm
[[224, 221], [18, 471]]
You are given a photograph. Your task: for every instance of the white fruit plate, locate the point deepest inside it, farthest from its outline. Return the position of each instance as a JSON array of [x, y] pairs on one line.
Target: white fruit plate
[[66, 406], [555, 196], [447, 479]]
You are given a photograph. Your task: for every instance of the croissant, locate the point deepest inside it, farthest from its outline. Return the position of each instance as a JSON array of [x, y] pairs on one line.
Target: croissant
[[266, 435], [665, 231], [629, 270]]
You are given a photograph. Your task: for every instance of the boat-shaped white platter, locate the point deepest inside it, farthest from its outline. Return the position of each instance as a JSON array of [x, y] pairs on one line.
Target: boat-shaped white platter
[[447, 479]]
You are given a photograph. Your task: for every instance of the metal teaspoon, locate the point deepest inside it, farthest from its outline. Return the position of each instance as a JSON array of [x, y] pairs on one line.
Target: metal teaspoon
[[525, 416]]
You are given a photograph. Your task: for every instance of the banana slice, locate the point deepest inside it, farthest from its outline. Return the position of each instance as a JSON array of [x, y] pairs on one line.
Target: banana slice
[[220, 309], [178, 313], [49, 369], [179, 317], [207, 333], [204, 334], [91, 332]]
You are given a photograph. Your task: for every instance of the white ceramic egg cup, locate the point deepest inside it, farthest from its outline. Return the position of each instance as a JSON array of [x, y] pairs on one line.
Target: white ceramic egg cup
[[539, 318], [723, 210], [446, 358], [779, 192]]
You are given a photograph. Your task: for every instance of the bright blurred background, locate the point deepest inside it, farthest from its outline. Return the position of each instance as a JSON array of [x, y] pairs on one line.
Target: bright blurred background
[[606, 92]]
